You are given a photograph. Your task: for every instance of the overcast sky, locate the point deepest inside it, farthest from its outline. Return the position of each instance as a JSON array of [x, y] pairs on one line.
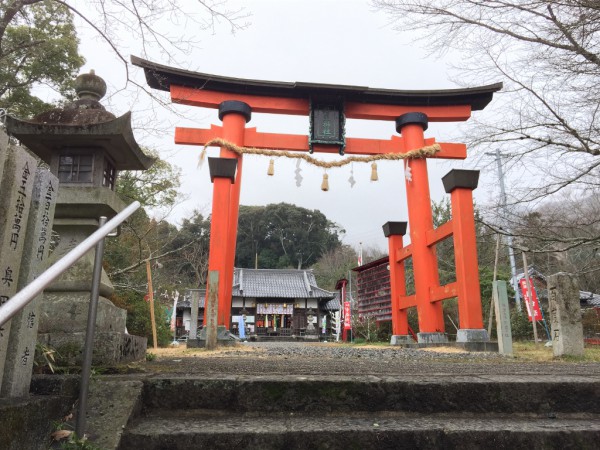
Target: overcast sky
[[338, 42]]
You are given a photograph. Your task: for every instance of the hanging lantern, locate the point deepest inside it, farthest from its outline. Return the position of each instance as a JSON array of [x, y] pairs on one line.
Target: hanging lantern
[[374, 176], [271, 170], [327, 123], [325, 183]]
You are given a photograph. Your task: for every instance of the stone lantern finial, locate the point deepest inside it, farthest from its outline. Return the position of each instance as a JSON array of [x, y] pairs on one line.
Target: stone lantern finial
[[90, 86]]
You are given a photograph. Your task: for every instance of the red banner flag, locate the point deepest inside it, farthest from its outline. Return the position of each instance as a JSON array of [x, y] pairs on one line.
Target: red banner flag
[[536, 306], [347, 316]]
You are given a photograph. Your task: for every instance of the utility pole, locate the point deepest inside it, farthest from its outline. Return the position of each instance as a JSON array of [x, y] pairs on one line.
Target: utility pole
[[509, 238]]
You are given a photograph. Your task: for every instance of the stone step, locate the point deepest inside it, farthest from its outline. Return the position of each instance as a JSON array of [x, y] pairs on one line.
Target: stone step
[[421, 394], [217, 429]]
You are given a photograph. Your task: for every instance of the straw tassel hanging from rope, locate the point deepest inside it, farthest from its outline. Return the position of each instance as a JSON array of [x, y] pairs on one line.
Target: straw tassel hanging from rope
[[374, 176], [271, 170], [202, 157], [325, 183]]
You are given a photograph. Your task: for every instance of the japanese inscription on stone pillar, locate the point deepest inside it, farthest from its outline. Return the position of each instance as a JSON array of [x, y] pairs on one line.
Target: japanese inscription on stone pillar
[[565, 315], [16, 186], [24, 325]]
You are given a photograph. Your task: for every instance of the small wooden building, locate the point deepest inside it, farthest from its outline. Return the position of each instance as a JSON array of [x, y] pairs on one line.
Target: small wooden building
[[373, 297], [272, 303]]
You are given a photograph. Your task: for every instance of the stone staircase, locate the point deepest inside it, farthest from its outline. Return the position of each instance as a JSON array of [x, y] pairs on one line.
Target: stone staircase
[[367, 412]]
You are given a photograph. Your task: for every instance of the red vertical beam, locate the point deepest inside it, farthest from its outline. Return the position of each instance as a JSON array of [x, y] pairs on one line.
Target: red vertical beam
[[460, 184], [395, 231], [234, 115], [431, 318], [222, 172]]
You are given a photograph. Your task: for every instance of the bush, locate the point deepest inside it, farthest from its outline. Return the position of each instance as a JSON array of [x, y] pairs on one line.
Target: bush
[[520, 326], [365, 328], [138, 317], [384, 331]]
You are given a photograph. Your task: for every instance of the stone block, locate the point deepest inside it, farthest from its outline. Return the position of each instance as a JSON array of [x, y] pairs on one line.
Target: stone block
[[16, 186], [194, 320], [402, 340], [23, 334], [224, 337], [502, 310], [565, 315], [65, 312], [111, 405], [432, 338], [26, 423], [472, 335], [110, 348], [79, 276], [82, 202]]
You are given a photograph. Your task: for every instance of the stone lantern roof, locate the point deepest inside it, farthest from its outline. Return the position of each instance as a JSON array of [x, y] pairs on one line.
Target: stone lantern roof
[[84, 123]]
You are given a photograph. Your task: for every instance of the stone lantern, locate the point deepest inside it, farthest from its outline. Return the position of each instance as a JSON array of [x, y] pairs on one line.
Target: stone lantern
[[85, 147]]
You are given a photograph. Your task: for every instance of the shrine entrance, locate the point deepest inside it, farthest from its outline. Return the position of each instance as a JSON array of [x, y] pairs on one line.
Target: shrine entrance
[[327, 107]]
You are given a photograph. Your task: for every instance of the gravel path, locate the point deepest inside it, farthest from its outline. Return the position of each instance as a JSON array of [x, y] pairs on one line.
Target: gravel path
[[294, 358]]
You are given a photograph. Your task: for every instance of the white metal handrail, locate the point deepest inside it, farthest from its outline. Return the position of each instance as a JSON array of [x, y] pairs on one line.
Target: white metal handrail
[[29, 292]]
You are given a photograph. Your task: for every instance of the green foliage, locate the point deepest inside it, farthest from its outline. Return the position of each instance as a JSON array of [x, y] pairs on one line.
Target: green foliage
[[368, 330], [520, 325], [157, 187], [283, 236], [442, 211], [44, 360], [138, 317], [334, 265], [39, 46], [150, 356], [75, 443], [365, 329], [143, 237], [190, 265]]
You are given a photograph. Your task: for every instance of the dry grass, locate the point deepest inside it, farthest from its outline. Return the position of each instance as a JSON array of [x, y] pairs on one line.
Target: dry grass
[[444, 350], [182, 350], [528, 351]]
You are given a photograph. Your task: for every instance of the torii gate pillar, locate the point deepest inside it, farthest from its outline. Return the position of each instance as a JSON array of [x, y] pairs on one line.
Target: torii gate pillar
[[420, 216], [225, 210]]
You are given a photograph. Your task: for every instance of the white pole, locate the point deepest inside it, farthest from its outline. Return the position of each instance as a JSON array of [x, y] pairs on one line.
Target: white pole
[[509, 238]]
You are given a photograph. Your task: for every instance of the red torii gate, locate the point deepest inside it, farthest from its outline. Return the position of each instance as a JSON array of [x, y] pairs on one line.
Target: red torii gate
[[237, 98]]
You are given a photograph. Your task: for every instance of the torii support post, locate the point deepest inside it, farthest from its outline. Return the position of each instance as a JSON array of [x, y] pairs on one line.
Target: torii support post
[[235, 115], [222, 174], [460, 184], [395, 231], [420, 216]]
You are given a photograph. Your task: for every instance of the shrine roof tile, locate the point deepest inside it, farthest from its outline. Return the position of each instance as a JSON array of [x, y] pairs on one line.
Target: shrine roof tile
[[277, 283]]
